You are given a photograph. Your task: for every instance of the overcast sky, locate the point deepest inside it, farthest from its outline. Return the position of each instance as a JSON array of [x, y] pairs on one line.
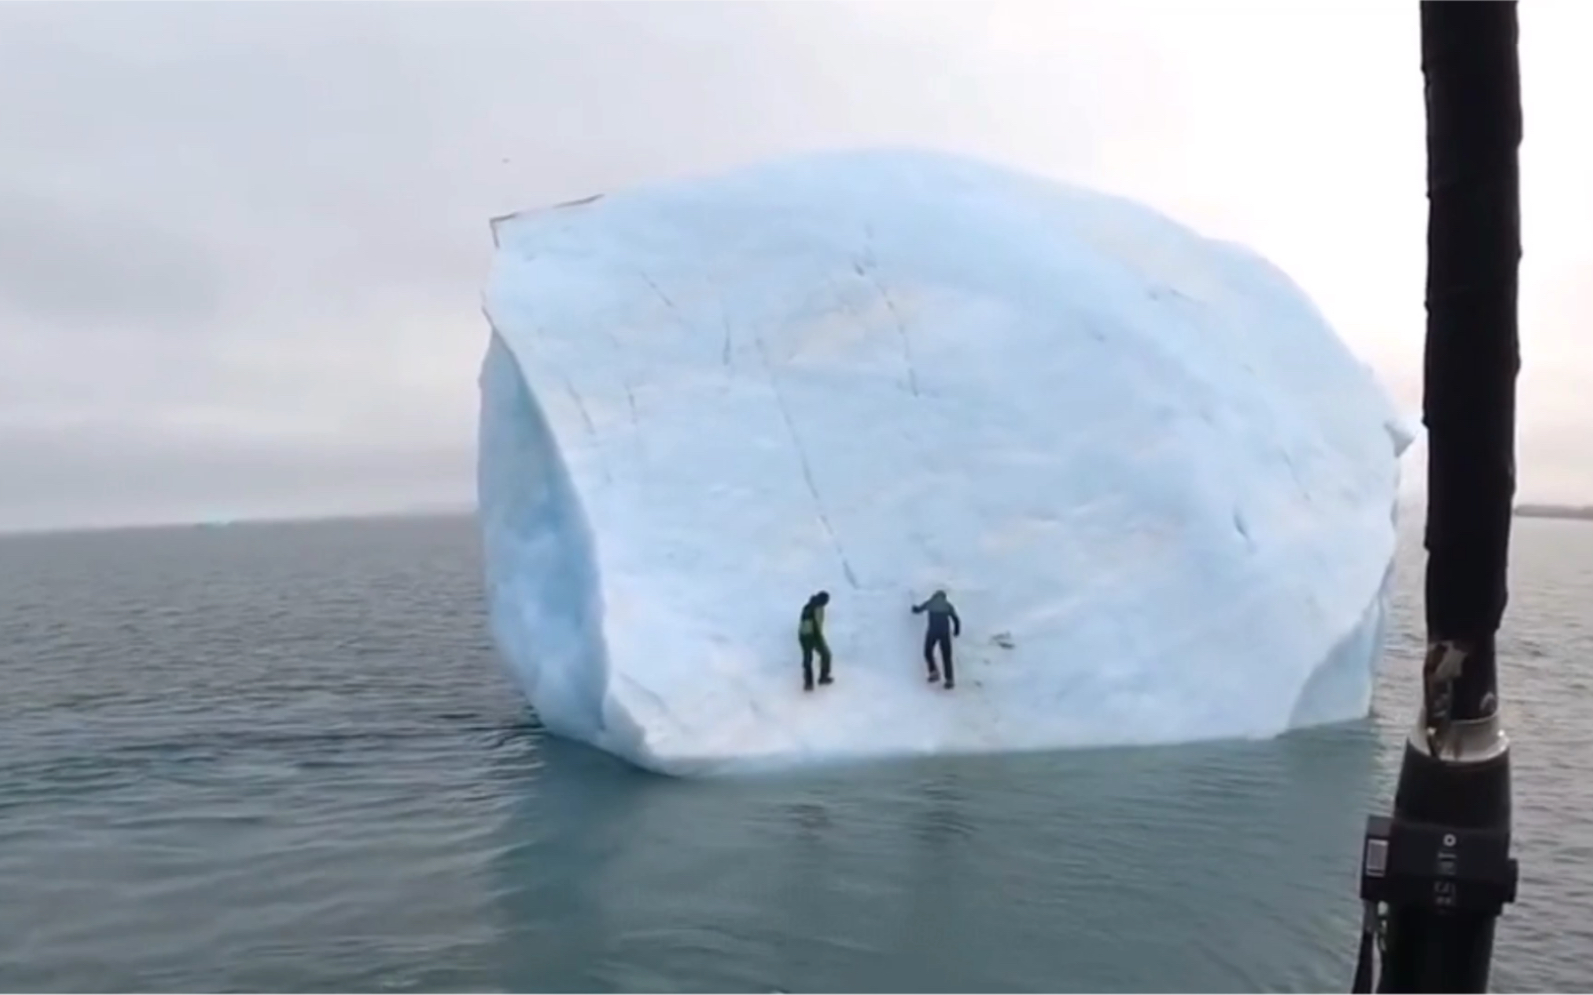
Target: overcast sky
[[242, 245]]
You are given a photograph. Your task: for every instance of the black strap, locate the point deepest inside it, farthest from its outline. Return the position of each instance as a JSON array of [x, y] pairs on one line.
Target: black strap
[[1365, 959]]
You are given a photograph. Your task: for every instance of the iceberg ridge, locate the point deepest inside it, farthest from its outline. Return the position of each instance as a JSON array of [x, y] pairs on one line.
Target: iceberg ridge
[[1157, 486]]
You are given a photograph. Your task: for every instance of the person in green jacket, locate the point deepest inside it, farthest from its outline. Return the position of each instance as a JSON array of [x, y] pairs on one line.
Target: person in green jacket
[[810, 634]]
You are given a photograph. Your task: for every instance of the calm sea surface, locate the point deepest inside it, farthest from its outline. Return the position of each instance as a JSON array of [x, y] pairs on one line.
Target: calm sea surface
[[285, 757]]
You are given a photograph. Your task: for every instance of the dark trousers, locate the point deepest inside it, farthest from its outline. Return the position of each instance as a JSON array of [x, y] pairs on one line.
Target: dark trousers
[[933, 639], [810, 645]]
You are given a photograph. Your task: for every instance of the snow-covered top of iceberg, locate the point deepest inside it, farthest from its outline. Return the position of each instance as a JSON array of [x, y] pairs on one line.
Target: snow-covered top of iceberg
[[1156, 485]]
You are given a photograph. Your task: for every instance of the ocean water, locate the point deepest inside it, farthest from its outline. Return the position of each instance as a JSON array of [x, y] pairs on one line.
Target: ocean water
[[285, 757]]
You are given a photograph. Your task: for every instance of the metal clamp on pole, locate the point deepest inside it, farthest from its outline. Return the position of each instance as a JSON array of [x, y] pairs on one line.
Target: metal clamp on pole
[[1441, 868], [1437, 873]]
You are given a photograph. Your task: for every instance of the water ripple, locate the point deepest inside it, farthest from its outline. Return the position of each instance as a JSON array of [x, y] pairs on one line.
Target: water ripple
[[284, 758]]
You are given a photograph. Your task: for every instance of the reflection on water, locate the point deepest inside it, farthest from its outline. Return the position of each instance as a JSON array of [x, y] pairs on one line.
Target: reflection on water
[[1209, 868], [285, 758]]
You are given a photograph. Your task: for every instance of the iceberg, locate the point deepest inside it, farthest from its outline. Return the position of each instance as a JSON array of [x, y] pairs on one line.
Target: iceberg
[[1159, 489]]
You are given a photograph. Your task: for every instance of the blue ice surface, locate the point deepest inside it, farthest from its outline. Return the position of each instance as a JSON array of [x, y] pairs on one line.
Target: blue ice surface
[[1158, 488]]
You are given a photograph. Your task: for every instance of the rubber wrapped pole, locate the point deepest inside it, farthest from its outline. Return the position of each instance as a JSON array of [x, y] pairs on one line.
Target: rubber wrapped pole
[[1473, 83], [1472, 73]]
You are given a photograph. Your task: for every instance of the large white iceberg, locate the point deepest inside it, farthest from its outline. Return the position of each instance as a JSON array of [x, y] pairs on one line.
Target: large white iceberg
[[1158, 488]]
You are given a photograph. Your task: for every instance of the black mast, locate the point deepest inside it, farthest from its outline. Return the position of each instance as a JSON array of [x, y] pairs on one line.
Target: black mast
[[1436, 875]]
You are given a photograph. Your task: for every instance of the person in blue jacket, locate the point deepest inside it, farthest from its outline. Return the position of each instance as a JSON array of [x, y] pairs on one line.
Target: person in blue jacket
[[943, 625]]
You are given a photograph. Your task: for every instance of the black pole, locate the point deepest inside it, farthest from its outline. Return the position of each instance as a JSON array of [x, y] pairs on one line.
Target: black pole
[[1436, 876]]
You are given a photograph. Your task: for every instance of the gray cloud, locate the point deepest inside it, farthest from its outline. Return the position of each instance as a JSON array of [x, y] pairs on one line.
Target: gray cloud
[[102, 478], [241, 244], [240, 234], [86, 269]]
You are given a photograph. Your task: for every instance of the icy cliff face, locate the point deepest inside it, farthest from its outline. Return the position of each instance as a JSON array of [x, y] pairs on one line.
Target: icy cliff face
[[1157, 487]]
